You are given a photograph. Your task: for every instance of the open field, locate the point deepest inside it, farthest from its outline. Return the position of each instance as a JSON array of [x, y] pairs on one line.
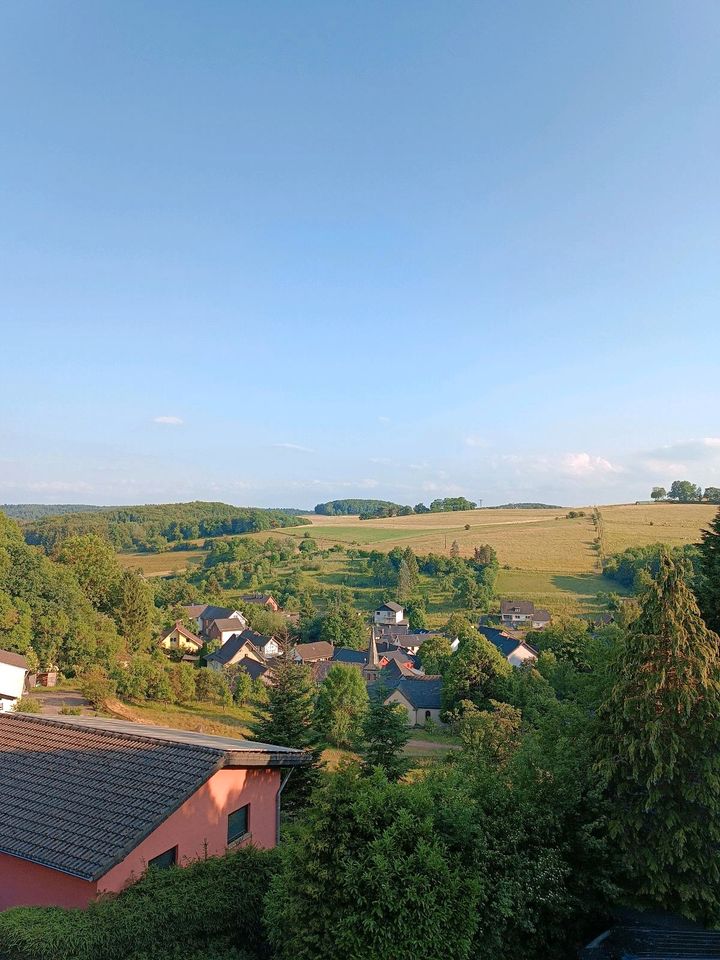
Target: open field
[[546, 557], [637, 526], [162, 564]]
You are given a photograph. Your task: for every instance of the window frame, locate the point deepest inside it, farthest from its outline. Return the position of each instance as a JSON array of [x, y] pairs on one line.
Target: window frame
[[152, 862], [231, 841]]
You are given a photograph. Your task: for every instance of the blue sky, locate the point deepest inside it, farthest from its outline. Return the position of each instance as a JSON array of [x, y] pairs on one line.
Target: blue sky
[[278, 253]]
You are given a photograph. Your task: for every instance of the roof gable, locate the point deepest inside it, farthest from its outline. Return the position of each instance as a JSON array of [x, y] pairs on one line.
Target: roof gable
[[11, 659], [423, 693], [79, 793]]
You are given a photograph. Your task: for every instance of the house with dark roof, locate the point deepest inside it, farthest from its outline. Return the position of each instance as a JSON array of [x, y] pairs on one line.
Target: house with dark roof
[[178, 639], [312, 652], [223, 628], [89, 803], [523, 613], [239, 647], [14, 673], [515, 650], [205, 613], [389, 614], [349, 656], [262, 600], [420, 696]]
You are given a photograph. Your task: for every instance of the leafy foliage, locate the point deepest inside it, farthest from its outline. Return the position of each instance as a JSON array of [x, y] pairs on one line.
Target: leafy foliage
[[342, 703], [385, 733], [658, 749], [709, 580], [169, 913]]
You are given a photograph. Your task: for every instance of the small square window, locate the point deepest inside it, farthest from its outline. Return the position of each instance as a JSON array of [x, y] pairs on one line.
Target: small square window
[[238, 823], [164, 860]]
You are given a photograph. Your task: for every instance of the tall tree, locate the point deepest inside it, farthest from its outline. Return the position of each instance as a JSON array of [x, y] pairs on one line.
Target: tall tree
[[133, 608], [475, 672], [406, 583], [342, 703], [658, 748], [287, 719], [684, 491], [385, 732], [709, 586], [658, 493]]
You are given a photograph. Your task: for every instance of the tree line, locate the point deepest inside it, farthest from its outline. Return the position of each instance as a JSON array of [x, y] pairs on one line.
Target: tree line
[[376, 509], [156, 527], [684, 491]]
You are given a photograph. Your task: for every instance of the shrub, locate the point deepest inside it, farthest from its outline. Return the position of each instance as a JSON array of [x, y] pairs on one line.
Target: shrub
[[28, 705], [210, 909], [97, 687], [67, 711]]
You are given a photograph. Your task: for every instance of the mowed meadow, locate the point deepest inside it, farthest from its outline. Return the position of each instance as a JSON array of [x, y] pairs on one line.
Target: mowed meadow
[[545, 556]]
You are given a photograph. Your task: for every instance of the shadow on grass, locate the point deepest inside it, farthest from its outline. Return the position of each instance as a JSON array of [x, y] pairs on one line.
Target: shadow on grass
[[585, 586]]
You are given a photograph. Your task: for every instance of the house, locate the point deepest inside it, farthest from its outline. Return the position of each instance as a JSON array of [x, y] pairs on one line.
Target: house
[[420, 696], [312, 652], [239, 647], [522, 613], [412, 641], [262, 600], [180, 639], [90, 803], [515, 650], [269, 647], [14, 673], [257, 671], [205, 613], [389, 615], [350, 657], [224, 627]]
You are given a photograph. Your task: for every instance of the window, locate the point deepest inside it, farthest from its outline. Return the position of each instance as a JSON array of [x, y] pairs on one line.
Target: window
[[428, 715], [164, 860], [238, 823]]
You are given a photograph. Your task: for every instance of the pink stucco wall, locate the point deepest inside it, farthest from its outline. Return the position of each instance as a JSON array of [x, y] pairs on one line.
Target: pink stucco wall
[[24, 884], [198, 828]]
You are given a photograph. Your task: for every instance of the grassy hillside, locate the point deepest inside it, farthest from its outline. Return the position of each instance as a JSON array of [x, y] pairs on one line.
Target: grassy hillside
[[544, 555]]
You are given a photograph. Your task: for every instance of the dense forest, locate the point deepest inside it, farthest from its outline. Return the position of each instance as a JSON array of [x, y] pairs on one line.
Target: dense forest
[[153, 527], [35, 511], [377, 509]]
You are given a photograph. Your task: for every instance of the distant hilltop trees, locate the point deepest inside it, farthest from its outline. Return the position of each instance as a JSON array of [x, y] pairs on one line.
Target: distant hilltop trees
[[683, 491], [34, 511], [153, 528], [374, 509]]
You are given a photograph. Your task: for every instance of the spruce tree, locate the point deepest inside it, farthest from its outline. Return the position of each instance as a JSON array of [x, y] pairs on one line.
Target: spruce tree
[[709, 587], [287, 720], [659, 752], [385, 732]]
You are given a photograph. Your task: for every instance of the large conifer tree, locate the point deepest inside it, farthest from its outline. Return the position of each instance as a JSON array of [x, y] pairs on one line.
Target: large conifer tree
[[287, 719], [659, 752], [709, 587]]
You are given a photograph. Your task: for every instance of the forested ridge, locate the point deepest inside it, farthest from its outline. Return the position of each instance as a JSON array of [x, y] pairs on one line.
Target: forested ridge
[[35, 511], [155, 526]]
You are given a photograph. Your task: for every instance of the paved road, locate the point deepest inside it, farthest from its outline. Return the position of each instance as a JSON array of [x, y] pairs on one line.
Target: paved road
[[53, 698]]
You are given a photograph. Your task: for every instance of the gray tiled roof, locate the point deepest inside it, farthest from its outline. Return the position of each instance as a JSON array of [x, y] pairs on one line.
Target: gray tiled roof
[[422, 693], [79, 793]]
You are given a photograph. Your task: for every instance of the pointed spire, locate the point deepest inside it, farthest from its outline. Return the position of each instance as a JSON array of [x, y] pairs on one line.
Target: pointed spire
[[372, 650]]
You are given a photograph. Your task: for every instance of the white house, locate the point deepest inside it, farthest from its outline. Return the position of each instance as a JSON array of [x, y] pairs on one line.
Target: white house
[[13, 675], [225, 627], [205, 613], [389, 614], [516, 652], [523, 613]]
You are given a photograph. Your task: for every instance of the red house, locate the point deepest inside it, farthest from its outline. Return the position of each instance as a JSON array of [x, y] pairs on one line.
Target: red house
[[88, 804]]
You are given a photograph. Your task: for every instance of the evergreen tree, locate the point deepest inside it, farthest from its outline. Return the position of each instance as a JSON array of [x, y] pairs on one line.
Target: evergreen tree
[[385, 731], [659, 752], [405, 582], [341, 705], [133, 608], [709, 587], [287, 719]]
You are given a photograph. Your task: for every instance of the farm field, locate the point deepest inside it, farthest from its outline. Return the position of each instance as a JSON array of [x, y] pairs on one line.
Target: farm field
[[544, 555], [162, 564]]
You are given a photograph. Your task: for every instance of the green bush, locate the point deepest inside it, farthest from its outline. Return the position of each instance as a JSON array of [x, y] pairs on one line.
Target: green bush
[[28, 705], [67, 711], [211, 909]]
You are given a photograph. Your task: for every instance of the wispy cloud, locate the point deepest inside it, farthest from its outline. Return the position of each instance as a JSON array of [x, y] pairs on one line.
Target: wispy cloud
[[475, 441], [169, 421], [294, 446], [586, 465]]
